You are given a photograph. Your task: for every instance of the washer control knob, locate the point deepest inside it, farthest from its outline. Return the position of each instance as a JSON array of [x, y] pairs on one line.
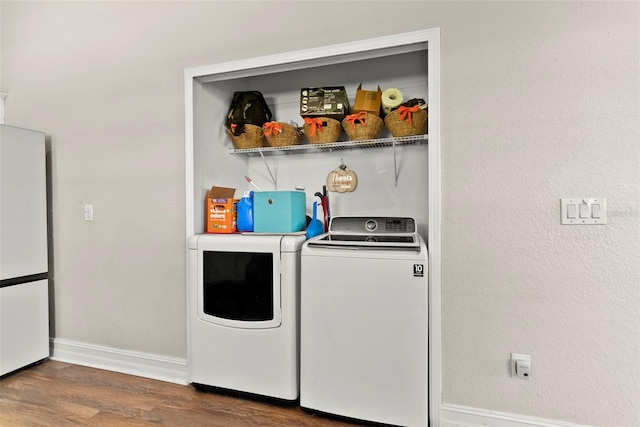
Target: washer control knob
[[371, 225]]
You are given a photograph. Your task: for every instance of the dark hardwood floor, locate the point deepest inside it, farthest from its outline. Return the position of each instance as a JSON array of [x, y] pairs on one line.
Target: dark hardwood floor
[[60, 394]]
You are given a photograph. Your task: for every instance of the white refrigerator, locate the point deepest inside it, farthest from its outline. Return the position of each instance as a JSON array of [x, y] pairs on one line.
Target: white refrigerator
[[24, 300]]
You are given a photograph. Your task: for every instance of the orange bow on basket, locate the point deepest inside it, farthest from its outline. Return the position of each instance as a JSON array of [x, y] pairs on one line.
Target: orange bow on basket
[[272, 128], [360, 116], [316, 124], [407, 112]]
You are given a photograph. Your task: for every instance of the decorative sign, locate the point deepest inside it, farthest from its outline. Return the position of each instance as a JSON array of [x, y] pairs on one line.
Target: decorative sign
[[342, 180]]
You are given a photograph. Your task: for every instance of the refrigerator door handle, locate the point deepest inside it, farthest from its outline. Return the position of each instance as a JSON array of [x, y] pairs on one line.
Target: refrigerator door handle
[[23, 279]]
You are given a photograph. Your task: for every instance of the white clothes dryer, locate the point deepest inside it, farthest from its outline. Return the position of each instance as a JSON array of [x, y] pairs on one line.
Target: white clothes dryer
[[243, 313], [364, 321]]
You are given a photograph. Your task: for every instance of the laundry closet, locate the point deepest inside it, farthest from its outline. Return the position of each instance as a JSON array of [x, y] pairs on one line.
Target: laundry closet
[[398, 180]]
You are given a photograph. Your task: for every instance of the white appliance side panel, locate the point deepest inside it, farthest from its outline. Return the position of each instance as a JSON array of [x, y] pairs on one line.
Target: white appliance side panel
[[24, 325], [364, 338], [23, 203]]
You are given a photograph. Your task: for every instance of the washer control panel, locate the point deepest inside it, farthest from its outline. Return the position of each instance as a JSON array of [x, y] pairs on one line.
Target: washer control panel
[[372, 225]]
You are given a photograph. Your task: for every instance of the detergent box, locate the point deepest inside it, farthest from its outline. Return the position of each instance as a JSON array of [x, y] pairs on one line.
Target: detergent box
[[220, 210], [279, 211]]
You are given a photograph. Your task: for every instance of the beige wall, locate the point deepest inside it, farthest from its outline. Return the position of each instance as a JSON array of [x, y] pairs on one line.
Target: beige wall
[[539, 101], [0, 47]]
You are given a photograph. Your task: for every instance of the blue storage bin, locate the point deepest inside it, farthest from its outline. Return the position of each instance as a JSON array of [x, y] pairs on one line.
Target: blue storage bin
[[279, 211]]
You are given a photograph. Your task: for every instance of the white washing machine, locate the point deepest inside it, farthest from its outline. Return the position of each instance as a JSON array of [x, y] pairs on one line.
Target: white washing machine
[[364, 321], [243, 313]]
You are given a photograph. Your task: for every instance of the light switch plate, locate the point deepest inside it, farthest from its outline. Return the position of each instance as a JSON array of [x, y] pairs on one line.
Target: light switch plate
[[88, 212], [583, 211]]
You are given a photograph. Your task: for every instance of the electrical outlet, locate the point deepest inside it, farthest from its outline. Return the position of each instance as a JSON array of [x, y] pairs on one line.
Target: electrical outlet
[[520, 366]]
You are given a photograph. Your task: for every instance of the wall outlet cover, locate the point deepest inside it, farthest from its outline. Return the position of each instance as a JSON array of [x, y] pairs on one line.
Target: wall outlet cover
[[520, 366]]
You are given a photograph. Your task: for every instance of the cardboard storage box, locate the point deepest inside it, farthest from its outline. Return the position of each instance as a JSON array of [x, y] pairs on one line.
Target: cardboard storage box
[[221, 210], [279, 211], [369, 101], [329, 101]]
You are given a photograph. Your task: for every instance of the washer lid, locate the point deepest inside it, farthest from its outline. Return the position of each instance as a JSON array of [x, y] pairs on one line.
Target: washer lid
[[344, 241], [398, 233]]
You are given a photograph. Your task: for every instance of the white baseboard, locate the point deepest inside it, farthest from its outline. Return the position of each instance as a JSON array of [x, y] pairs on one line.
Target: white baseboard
[[146, 365], [463, 416]]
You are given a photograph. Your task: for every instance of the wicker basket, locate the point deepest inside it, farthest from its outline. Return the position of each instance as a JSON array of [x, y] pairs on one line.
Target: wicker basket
[[321, 130], [361, 126], [251, 137], [403, 122], [280, 134]]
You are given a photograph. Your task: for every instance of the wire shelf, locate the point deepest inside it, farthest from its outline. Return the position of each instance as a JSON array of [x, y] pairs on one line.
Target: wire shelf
[[336, 146]]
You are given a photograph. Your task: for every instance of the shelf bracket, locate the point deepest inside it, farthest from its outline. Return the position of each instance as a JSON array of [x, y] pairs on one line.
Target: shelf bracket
[[395, 163], [273, 180]]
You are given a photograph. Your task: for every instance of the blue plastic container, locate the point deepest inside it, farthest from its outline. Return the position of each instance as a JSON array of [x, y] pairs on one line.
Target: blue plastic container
[[279, 211], [244, 210]]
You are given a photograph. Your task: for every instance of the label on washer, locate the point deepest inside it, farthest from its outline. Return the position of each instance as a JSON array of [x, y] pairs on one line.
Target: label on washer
[[418, 270]]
